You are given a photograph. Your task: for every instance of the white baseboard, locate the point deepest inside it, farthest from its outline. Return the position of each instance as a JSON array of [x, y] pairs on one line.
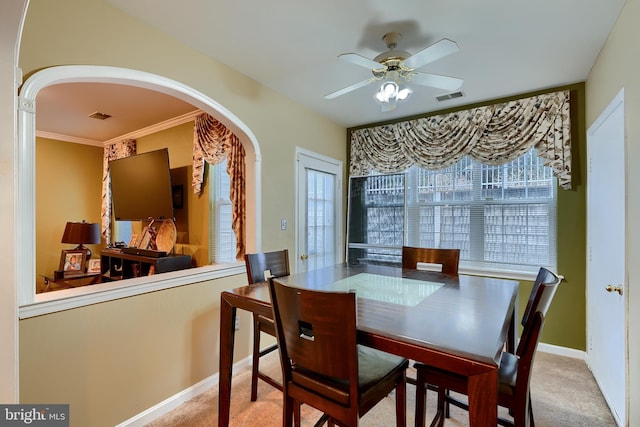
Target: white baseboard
[[177, 399], [562, 351]]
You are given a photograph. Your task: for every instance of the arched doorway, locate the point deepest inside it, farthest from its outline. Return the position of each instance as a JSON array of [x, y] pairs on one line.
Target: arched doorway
[[103, 74]]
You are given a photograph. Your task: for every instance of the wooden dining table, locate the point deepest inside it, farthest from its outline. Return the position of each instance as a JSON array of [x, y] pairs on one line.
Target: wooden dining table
[[456, 323]]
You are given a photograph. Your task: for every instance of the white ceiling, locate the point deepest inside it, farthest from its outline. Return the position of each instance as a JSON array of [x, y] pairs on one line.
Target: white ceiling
[[63, 111], [507, 47]]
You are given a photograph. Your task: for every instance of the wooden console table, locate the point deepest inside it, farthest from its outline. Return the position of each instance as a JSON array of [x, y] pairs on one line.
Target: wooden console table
[[59, 281], [116, 265]]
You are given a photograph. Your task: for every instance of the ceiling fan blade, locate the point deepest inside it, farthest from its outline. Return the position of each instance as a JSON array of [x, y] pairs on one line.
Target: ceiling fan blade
[[435, 80], [438, 50], [362, 61], [349, 88]]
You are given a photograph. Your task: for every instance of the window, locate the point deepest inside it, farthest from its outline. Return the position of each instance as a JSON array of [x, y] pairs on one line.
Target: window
[[500, 217], [222, 240]]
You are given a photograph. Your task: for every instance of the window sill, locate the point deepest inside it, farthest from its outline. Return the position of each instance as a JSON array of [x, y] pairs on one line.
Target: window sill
[[52, 302], [528, 274]]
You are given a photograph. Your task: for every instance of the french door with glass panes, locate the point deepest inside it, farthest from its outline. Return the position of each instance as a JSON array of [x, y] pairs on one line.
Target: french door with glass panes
[[318, 211]]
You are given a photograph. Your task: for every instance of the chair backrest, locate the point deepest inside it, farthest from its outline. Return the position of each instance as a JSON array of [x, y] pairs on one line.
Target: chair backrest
[[526, 354], [448, 258], [277, 262], [543, 291], [316, 333]]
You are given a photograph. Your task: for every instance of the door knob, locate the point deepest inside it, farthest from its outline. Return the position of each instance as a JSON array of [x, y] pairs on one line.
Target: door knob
[[304, 256], [611, 288]]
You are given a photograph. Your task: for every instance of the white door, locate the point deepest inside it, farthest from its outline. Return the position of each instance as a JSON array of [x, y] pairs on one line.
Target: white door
[[606, 309], [318, 211]]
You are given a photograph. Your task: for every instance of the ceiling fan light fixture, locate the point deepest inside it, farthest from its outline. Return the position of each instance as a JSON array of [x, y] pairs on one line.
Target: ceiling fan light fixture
[[397, 69], [390, 92], [403, 93]]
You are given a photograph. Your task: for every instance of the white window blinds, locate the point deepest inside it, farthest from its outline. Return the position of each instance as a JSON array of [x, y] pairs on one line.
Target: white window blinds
[[222, 240], [500, 217]]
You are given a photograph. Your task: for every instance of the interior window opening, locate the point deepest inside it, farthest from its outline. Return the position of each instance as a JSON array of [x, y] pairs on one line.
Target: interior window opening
[[81, 180]]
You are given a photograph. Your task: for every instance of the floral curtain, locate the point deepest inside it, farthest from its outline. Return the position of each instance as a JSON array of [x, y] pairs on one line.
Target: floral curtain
[[113, 151], [212, 142], [493, 134]]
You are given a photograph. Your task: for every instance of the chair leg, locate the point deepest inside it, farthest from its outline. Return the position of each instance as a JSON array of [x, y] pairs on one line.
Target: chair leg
[[297, 418], [256, 360], [447, 407], [288, 409], [531, 422], [521, 414], [441, 406], [401, 404], [421, 398]]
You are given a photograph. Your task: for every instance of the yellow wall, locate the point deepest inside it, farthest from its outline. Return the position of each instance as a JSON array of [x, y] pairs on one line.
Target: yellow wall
[[10, 29], [68, 188], [113, 360], [616, 68]]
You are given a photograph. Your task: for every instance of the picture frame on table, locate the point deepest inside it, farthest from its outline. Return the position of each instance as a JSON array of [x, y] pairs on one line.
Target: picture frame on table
[[93, 266], [145, 240], [72, 262]]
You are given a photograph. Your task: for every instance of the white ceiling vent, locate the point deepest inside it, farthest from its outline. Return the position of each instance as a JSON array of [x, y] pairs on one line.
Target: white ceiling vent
[[452, 95], [100, 116]]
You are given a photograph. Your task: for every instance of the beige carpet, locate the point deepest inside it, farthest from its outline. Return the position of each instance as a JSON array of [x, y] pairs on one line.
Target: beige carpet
[[563, 392]]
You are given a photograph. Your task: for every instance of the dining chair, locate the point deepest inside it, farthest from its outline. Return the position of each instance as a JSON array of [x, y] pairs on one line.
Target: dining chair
[[514, 374], [322, 364], [447, 258], [275, 264]]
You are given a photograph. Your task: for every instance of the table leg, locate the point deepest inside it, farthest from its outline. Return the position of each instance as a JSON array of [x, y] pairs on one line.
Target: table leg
[[483, 399], [511, 335], [227, 335]]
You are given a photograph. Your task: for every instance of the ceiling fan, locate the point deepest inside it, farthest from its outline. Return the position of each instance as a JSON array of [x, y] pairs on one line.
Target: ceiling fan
[[397, 68]]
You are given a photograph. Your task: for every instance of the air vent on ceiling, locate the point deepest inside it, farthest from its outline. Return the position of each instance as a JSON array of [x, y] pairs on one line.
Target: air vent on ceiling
[[449, 96], [100, 116]]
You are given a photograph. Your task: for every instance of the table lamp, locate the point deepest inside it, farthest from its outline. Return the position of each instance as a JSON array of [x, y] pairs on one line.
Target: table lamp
[[80, 233]]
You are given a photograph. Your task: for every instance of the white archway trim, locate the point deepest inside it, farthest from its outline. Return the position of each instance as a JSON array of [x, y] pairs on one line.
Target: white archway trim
[[25, 198]]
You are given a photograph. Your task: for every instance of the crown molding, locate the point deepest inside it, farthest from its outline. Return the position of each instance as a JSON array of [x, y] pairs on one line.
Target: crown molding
[[167, 124], [68, 138]]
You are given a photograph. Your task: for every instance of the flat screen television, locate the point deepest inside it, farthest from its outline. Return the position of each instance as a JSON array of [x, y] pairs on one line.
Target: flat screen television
[[141, 187]]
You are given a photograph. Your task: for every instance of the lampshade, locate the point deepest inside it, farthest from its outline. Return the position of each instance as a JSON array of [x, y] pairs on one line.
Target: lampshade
[[81, 232]]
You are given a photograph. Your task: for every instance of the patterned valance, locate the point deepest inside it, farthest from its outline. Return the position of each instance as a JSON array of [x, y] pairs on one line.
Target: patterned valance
[[212, 143], [492, 134], [115, 151]]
